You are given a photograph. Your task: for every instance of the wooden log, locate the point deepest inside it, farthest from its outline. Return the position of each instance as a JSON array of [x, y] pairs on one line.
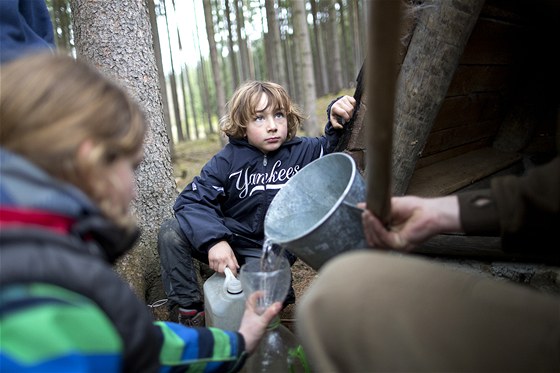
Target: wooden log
[[460, 246], [436, 47]]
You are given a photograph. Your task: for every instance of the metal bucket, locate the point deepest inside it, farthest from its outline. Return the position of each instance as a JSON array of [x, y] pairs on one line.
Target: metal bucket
[[314, 214]]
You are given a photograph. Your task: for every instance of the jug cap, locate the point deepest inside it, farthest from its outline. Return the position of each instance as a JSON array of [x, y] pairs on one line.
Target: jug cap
[[232, 285]]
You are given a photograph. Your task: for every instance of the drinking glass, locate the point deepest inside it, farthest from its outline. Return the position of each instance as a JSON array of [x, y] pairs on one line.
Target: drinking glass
[[273, 283]]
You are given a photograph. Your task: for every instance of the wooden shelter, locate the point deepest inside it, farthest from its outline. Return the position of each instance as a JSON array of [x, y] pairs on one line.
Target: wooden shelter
[[477, 94]]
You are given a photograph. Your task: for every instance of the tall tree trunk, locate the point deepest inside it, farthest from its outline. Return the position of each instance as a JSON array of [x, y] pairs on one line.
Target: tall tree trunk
[[437, 45], [348, 63], [251, 58], [232, 56], [176, 110], [241, 42], [173, 82], [319, 57], [334, 50], [220, 95], [287, 49], [184, 71], [116, 37], [222, 32], [356, 36], [161, 74], [184, 135], [270, 52], [364, 13], [203, 84], [276, 45], [307, 78], [257, 70], [226, 73], [204, 94], [191, 100], [296, 68]]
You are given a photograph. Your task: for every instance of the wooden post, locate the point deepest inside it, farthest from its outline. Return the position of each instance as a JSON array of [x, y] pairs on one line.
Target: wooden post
[[381, 73]]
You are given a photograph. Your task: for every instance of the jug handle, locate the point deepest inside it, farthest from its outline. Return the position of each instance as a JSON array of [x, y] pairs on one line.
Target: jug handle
[[229, 277]]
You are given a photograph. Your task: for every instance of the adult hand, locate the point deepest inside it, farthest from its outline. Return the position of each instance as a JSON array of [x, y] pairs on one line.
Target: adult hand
[[343, 109], [221, 256], [253, 325], [413, 221]]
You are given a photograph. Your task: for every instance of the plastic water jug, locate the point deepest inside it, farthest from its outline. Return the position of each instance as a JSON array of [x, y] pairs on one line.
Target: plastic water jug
[[224, 301], [278, 351]]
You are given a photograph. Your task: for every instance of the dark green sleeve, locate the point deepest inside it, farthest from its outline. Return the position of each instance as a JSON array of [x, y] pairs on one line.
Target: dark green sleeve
[[523, 210], [479, 213]]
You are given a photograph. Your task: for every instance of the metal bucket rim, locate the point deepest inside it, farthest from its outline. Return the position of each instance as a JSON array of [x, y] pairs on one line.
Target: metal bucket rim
[[335, 205]]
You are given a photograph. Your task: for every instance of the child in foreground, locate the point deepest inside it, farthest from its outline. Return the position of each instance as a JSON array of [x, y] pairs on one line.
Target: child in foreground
[[70, 141]]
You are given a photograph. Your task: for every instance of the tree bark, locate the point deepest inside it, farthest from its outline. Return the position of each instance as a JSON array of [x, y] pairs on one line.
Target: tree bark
[[232, 56], [307, 81], [184, 71], [161, 74], [348, 63], [288, 51], [220, 94], [191, 101], [241, 42], [276, 45], [334, 50], [438, 42], [322, 85], [269, 52], [116, 37], [356, 35], [173, 83], [203, 84]]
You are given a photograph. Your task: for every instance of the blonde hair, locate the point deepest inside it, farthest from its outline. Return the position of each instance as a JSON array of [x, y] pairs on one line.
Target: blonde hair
[[243, 105], [50, 104]]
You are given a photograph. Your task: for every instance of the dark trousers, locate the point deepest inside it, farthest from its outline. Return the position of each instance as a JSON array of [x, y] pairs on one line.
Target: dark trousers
[[178, 271]]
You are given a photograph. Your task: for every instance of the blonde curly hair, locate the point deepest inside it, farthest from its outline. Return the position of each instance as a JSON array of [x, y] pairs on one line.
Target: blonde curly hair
[[243, 105], [51, 103]]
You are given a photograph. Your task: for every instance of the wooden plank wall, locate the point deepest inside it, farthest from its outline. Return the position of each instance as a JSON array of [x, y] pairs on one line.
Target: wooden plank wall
[[484, 122], [478, 97], [501, 92]]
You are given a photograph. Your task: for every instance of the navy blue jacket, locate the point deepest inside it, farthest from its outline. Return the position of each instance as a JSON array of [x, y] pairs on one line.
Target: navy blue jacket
[[25, 26], [229, 199]]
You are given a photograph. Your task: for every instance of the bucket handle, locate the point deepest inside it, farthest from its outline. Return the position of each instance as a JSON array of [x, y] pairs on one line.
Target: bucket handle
[[346, 203]]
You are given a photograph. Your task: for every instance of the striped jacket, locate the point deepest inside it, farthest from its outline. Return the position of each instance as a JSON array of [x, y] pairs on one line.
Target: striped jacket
[[62, 306]]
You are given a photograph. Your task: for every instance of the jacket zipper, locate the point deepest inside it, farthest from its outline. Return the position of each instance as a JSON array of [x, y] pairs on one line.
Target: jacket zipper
[[254, 242], [265, 161]]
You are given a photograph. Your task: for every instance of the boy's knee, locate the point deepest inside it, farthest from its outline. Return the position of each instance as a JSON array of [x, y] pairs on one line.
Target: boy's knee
[[168, 234]]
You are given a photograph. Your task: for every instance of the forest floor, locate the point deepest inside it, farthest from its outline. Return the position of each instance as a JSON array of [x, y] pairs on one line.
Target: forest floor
[[189, 157]]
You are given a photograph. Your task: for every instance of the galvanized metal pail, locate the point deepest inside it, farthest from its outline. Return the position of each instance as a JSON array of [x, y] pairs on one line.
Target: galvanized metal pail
[[314, 214]]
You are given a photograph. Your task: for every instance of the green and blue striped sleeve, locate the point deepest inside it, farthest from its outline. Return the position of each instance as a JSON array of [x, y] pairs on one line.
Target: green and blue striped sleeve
[[200, 349], [46, 328]]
